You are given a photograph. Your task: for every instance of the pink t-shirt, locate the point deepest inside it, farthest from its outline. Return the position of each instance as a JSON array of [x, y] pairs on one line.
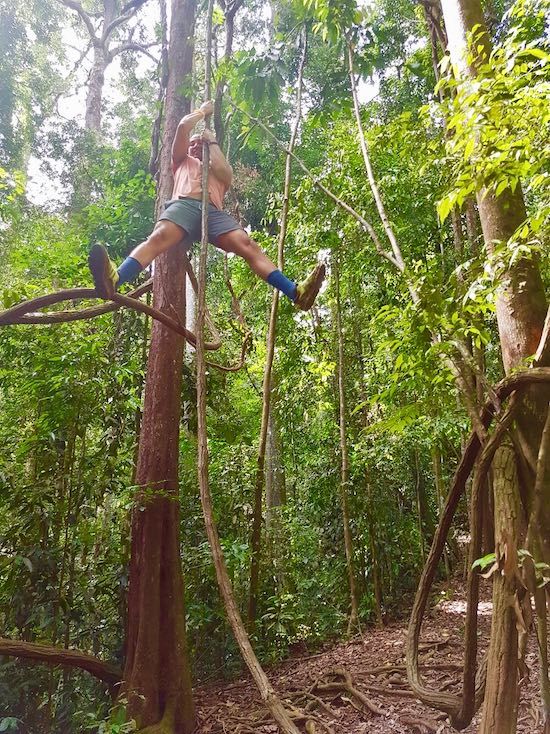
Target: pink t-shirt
[[188, 182]]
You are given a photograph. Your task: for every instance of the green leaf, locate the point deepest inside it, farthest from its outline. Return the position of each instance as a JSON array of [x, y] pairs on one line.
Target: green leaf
[[469, 149], [500, 188], [9, 723], [537, 53], [485, 561], [443, 209]]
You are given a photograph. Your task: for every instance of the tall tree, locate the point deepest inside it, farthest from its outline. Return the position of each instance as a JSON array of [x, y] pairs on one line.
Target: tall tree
[[157, 676], [106, 45]]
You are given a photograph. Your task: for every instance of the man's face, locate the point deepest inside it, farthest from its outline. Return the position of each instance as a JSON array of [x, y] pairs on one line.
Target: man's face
[[195, 147]]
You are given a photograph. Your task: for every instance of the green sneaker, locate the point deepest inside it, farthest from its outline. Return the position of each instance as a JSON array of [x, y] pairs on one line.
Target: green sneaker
[[103, 271], [308, 289]]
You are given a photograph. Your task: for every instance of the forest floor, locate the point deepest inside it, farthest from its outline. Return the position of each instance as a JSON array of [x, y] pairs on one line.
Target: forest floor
[[376, 662]]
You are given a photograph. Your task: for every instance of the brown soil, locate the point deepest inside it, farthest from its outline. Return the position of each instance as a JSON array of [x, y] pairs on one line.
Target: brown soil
[[237, 709]]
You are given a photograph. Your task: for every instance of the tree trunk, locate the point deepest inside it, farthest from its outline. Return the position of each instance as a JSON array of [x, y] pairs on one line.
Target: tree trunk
[[92, 120], [163, 81], [375, 555], [267, 386], [426, 525], [344, 457], [275, 499], [501, 699], [275, 485], [440, 492], [157, 676], [374, 540], [219, 123]]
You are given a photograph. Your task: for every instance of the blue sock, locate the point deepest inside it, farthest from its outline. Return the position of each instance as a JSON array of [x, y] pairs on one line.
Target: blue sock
[[282, 283], [128, 271]]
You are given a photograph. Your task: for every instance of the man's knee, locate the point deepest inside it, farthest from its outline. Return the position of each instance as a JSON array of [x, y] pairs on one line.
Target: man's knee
[[164, 235], [240, 243]]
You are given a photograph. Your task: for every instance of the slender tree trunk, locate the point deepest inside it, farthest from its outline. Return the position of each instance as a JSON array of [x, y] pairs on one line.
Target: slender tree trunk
[[538, 542], [157, 676], [275, 485], [440, 492], [219, 123], [375, 556], [344, 456], [420, 507], [94, 96], [275, 500], [374, 543], [163, 81], [425, 520], [270, 349]]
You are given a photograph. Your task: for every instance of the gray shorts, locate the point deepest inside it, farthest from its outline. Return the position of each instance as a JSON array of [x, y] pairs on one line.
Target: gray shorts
[[186, 213]]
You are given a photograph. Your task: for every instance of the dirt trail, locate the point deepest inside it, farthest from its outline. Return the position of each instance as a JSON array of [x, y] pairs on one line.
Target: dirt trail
[[376, 664]]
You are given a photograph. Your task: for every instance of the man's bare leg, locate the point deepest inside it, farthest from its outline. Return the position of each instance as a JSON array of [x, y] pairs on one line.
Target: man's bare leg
[[165, 235], [106, 277], [302, 294], [241, 244]]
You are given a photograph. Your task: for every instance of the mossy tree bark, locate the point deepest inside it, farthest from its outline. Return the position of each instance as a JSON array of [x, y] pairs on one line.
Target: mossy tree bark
[[157, 681]]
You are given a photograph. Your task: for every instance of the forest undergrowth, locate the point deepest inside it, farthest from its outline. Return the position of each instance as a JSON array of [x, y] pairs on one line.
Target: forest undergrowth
[[374, 661]]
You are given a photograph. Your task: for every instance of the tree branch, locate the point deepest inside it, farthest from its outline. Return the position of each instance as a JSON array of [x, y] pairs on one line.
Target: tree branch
[[74, 5], [50, 655], [25, 313], [82, 55], [232, 8], [388, 229], [127, 12], [132, 46], [132, 5]]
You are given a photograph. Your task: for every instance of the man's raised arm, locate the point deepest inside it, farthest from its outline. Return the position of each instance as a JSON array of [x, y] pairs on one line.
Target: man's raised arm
[[186, 124], [218, 162]]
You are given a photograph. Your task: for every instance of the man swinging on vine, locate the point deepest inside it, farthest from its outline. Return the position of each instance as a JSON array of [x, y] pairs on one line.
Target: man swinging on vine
[[181, 220]]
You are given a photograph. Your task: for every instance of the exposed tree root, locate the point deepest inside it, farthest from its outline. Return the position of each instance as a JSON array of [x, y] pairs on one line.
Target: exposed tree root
[[306, 707], [344, 682], [397, 668], [386, 691]]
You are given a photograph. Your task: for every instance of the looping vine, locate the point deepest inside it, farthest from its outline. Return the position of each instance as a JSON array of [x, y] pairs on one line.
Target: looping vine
[[461, 707], [29, 312]]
